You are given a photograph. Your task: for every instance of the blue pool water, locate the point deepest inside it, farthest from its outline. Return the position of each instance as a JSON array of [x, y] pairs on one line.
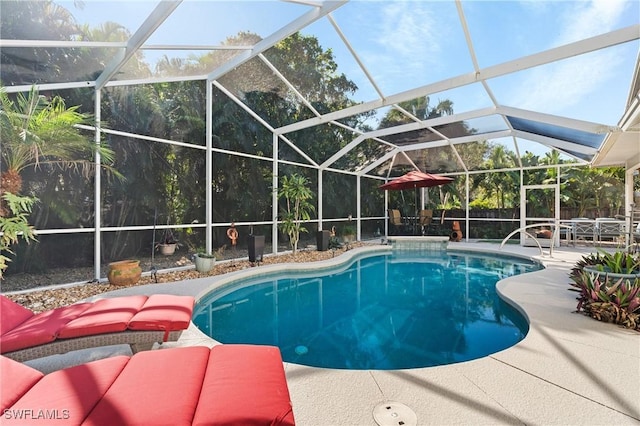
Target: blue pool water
[[382, 312]]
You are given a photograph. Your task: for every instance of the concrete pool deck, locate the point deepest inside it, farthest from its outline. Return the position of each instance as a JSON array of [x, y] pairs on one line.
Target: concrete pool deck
[[569, 369]]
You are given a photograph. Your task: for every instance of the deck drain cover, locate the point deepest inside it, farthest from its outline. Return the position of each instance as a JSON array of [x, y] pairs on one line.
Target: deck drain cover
[[394, 413]]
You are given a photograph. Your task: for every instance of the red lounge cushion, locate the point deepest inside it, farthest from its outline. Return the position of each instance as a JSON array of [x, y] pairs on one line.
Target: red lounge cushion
[[164, 312], [244, 385], [67, 396], [12, 314], [104, 316], [15, 380], [40, 328], [158, 387]]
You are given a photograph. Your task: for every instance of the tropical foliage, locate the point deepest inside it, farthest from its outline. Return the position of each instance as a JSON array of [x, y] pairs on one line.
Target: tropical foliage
[[609, 297], [165, 167], [41, 133], [14, 226], [297, 207]]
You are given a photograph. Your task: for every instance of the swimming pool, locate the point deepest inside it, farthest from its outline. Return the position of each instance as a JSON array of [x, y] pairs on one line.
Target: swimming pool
[[385, 311]]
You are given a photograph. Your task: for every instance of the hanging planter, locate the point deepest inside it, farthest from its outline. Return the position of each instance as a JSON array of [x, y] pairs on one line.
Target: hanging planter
[[124, 272], [167, 249], [168, 245]]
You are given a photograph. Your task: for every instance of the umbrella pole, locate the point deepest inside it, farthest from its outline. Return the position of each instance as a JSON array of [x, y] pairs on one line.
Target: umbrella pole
[[414, 228]]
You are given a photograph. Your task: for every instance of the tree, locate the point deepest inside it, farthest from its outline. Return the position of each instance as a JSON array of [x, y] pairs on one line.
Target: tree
[[37, 20], [297, 207], [42, 133], [503, 187]]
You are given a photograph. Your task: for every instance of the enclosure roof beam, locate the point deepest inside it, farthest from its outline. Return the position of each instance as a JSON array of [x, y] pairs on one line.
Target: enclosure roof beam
[[588, 45], [284, 32], [162, 11]]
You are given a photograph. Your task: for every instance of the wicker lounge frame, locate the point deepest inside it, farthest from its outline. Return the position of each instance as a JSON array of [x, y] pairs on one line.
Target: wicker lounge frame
[[137, 340], [138, 321]]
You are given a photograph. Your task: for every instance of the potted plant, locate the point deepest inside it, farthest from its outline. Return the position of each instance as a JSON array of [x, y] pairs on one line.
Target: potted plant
[[298, 207], [615, 265], [349, 233], [168, 245], [609, 287], [204, 261]]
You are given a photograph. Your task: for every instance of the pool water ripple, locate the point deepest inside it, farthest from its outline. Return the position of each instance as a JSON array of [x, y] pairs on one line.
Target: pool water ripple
[[382, 312]]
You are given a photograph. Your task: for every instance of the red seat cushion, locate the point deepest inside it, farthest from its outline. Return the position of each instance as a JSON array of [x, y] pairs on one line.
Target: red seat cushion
[[158, 387], [244, 385], [164, 312], [15, 380], [67, 396], [104, 316], [12, 314], [40, 328]]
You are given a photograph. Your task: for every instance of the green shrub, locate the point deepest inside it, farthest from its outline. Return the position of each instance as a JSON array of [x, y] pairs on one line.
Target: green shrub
[[603, 297]]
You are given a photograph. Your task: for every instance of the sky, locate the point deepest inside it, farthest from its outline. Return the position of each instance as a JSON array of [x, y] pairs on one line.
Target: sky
[[407, 44]]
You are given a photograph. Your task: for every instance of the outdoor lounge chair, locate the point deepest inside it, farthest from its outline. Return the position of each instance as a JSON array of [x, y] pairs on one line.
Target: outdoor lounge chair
[[225, 385], [139, 321]]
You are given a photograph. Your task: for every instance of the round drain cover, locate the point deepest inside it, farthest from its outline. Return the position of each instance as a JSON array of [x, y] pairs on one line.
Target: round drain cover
[[394, 413]]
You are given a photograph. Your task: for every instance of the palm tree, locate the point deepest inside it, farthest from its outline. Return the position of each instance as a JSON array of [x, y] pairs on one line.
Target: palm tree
[[37, 132]]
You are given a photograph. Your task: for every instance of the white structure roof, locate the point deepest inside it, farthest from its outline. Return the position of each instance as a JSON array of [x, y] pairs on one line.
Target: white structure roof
[[532, 76]]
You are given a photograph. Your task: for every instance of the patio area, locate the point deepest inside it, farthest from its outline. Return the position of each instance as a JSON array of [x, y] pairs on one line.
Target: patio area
[[569, 369]]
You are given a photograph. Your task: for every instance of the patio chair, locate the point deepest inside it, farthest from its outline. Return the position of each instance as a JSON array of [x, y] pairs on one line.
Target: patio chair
[[608, 228], [435, 226], [224, 385], [583, 228], [395, 220], [425, 217], [139, 321]]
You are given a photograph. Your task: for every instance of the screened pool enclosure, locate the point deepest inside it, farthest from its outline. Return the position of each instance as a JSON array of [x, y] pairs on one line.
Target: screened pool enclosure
[[203, 107]]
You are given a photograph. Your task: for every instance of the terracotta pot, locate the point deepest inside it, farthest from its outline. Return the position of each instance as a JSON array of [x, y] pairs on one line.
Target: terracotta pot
[[124, 272]]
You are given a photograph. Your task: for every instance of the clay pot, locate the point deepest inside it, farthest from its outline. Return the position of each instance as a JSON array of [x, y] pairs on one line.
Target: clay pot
[[167, 249], [456, 233], [124, 272]]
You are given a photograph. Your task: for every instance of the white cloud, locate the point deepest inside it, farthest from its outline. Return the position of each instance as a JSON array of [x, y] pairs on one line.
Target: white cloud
[[406, 41], [406, 28], [590, 19], [558, 87]]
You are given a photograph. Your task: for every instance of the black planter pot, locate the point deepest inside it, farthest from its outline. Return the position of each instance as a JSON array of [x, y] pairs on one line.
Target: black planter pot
[[256, 248], [322, 240]]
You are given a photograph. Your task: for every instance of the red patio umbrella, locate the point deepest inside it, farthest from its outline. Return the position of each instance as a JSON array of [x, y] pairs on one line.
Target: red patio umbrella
[[416, 179]]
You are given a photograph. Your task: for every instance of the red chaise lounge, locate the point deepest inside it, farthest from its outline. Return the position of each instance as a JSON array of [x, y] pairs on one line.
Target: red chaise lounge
[[139, 321], [226, 385]]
